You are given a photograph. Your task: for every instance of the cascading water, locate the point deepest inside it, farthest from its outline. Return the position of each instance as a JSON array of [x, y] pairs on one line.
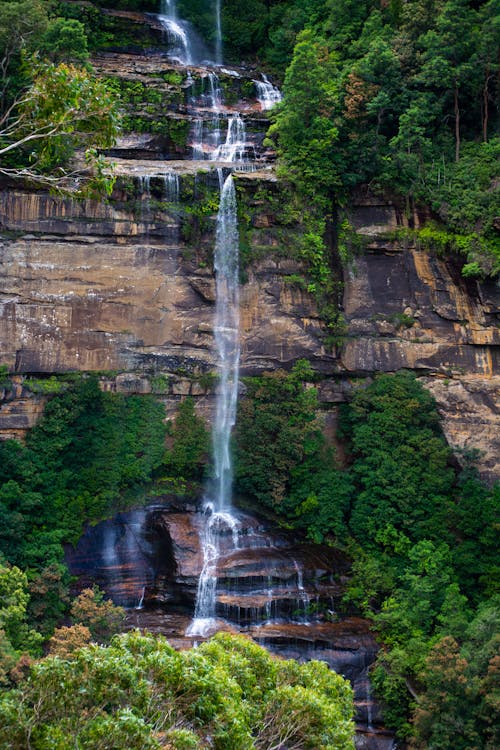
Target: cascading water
[[180, 47], [171, 187], [219, 520], [234, 147], [267, 94], [145, 193], [206, 137]]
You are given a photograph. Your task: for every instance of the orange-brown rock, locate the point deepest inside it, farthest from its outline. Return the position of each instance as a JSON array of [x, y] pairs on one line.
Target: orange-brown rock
[[109, 286]]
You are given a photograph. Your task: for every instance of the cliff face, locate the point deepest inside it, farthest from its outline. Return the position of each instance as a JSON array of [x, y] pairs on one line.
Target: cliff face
[[126, 288], [91, 286]]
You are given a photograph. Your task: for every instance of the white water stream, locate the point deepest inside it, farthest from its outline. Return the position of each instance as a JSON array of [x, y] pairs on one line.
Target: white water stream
[[219, 520], [177, 33], [218, 135], [267, 94]]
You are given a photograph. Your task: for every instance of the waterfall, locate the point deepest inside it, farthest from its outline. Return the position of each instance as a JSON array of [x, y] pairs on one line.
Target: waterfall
[[171, 187], [206, 137], [233, 149], [218, 33], [205, 140], [219, 521], [145, 193], [267, 94], [227, 338], [176, 33]]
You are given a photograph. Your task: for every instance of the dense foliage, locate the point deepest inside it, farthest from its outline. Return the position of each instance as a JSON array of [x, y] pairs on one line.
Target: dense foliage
[[423, 539], [187, 455], [50, 102], [227, 694], [397, 97], [88, 449], [402, 97], [282, 461]]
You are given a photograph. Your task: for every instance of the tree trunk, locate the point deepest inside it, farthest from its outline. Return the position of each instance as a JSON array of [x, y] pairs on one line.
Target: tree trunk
[[485, 104], [457, 125]]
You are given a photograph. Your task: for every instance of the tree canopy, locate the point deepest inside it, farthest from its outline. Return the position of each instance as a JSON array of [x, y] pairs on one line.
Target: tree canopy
[[228, 693]]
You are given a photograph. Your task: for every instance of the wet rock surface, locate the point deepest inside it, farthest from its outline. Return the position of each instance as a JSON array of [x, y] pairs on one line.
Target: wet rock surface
[[284, 595]]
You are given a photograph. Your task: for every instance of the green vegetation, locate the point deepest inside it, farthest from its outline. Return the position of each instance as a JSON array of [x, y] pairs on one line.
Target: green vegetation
[[89, 447], [140, 693], [188, 436], [422, 538], [50, 102], [107, 32], [282, 462], [398, 97]]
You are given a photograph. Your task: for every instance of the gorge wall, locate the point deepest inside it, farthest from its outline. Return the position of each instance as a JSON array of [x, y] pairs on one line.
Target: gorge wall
[[125, 287], [98, 287]]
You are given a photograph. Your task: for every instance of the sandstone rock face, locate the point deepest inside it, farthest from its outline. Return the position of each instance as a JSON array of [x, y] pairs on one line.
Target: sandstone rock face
[[104, 287], [93, 290], [126, 287]]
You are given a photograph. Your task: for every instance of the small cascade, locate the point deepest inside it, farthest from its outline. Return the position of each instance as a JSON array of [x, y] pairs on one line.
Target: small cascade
[[303, 598], [206, 137], [145, 193], [267, 94], [206, 134], [369, 706], [234, 148], [171, 187], [141, 600], [176, 33], [124, 567]]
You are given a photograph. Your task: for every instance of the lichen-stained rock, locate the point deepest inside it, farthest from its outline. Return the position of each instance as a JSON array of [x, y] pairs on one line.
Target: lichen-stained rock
[[470, 411], [118, 287], [97, 289]]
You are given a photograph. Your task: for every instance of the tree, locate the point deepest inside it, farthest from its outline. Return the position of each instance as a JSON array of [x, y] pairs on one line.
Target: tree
[[304, 120], [22, 23], [400, 458], [98, 614], [448, 58], [64, 40], [16, 636], [68, 639], [275, 430], [488, 59], [64, 108], [443, 717], [139, 693], [187, 455]]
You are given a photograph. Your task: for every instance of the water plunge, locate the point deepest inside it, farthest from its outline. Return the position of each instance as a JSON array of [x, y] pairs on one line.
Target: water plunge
[[219, 520], [176, 33]]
